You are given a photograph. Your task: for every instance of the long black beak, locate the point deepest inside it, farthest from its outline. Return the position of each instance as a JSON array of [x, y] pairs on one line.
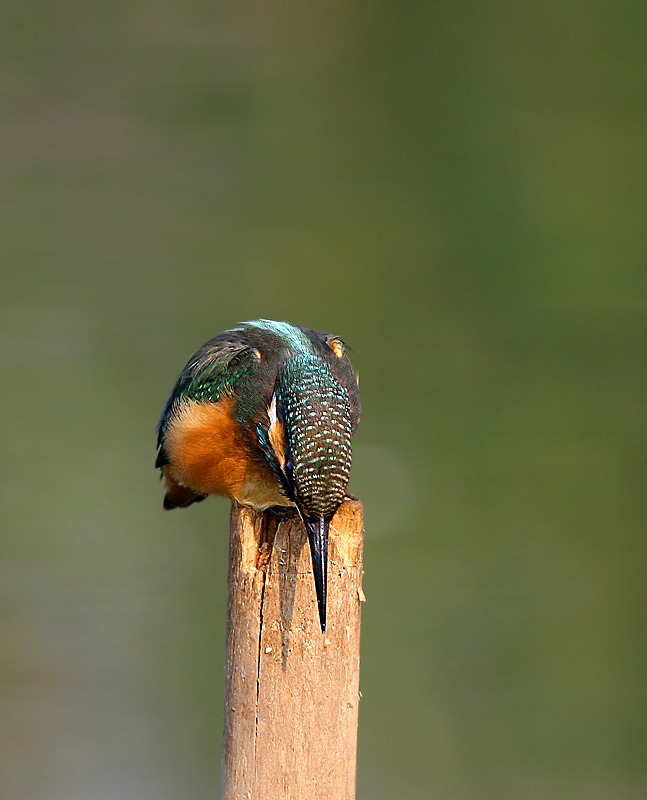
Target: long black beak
[[318, 538]]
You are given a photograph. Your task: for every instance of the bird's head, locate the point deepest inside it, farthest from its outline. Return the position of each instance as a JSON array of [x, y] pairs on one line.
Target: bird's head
[[312, 415]]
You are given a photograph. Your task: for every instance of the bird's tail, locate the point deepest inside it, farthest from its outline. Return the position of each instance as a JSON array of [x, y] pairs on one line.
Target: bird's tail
[[178, 496]]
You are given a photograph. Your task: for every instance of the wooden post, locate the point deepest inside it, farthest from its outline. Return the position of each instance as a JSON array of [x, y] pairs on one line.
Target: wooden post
[[291, 692]]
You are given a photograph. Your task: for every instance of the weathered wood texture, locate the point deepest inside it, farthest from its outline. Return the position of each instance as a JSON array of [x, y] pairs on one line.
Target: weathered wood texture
[[291, 692]]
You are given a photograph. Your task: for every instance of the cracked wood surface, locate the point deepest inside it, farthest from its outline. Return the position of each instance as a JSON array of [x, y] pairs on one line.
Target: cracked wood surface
[[291, 692]]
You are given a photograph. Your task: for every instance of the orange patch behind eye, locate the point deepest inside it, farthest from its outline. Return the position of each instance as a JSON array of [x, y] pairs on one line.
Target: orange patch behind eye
[[276, 435], [337, 346]]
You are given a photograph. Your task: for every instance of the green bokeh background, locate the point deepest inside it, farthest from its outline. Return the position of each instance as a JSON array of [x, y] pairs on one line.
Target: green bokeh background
[[459, 190]]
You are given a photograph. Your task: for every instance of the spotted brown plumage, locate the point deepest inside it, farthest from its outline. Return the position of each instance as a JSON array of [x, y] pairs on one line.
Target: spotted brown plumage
[[264, 413]]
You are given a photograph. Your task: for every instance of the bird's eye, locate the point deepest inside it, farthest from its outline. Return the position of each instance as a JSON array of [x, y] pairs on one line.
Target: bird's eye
[[337, 346]]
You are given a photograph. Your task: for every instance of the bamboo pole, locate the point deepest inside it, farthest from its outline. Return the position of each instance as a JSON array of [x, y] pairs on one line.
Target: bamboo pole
[[291, 692]]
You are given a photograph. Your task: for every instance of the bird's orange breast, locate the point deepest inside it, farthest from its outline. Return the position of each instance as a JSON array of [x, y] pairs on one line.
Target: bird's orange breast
[[206, 449], [209, 454]]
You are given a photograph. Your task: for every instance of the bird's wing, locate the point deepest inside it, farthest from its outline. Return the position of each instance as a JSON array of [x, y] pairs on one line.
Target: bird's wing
[[210, 374]]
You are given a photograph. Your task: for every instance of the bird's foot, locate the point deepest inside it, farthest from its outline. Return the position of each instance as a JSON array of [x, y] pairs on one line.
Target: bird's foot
[[281, 513], [272, 518]]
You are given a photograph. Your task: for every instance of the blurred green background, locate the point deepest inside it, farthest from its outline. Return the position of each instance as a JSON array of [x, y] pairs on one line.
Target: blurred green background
[[459, 190]]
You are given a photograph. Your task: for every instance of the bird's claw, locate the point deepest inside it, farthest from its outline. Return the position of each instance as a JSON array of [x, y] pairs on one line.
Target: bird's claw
[[282, 513]]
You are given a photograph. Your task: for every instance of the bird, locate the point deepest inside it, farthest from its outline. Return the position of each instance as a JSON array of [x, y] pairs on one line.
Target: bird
[[264, 413]]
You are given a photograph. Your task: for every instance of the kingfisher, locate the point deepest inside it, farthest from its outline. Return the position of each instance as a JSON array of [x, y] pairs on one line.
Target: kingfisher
[[264, 414]]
